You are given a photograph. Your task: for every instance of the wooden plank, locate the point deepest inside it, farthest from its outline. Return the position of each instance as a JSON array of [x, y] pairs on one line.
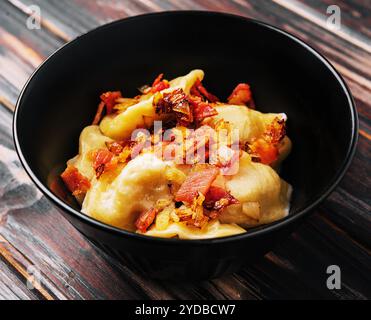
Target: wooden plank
[[67, 268], [318, 16], [296, 269], [22, 267], [22, 51], [355, 15], [11, 287]]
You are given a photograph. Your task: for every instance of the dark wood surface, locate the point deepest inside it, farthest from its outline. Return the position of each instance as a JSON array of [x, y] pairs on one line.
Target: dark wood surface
[[33, 233]]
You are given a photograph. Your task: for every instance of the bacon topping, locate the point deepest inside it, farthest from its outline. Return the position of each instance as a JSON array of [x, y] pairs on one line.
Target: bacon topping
[[108, 100], [196, 181], [159, 84], [75, 181], [201, 109], [103, 161], [217, 199], [175, 101], [263, 151], [241, 95], [200, 91], [145, 219]]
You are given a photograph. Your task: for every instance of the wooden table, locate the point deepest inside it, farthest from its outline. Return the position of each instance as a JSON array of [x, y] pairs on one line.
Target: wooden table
[[35, 237]]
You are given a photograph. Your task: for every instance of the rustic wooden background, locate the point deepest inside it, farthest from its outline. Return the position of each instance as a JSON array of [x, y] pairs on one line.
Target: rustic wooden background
[[32, 233]]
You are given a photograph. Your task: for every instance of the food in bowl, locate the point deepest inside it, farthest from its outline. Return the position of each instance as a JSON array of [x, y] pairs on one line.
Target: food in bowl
[[174, 161]]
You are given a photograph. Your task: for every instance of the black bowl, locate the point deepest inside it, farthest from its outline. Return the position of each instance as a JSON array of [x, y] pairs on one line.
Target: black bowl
[[286, 75]]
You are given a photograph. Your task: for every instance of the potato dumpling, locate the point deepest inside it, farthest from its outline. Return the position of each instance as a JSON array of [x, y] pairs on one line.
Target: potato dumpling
[[136, 189], [263, 196]]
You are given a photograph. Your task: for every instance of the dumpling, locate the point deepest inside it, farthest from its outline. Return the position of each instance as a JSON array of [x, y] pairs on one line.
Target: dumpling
[[263, 196], [143, 113], [136, 189]]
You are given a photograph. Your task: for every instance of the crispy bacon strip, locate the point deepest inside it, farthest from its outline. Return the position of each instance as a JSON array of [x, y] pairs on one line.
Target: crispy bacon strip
[[263, 151], [145, 219], [218, 198], [98, 114], [108, 100], [241, 95], [200, 91], [75, 181], [103, 161], [196, 181], [201, 109], [159, 84]]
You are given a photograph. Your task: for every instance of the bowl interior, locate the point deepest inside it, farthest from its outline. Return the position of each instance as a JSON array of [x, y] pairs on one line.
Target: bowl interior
[[285, 76]]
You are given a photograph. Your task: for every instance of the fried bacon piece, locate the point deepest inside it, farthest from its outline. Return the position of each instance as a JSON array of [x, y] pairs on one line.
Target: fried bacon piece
[[217, 199], [196, 181], [176, 102], [201, 109], [200, 91], [186, 108], [145, 219], [108, 100], [263, 151], [241, 95], [104, 160], [75, 181], [159, 84]]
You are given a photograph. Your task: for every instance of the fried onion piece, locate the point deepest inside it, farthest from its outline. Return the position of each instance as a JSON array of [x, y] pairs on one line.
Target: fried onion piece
[[276, 130], [174, 102], [241, 95]]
